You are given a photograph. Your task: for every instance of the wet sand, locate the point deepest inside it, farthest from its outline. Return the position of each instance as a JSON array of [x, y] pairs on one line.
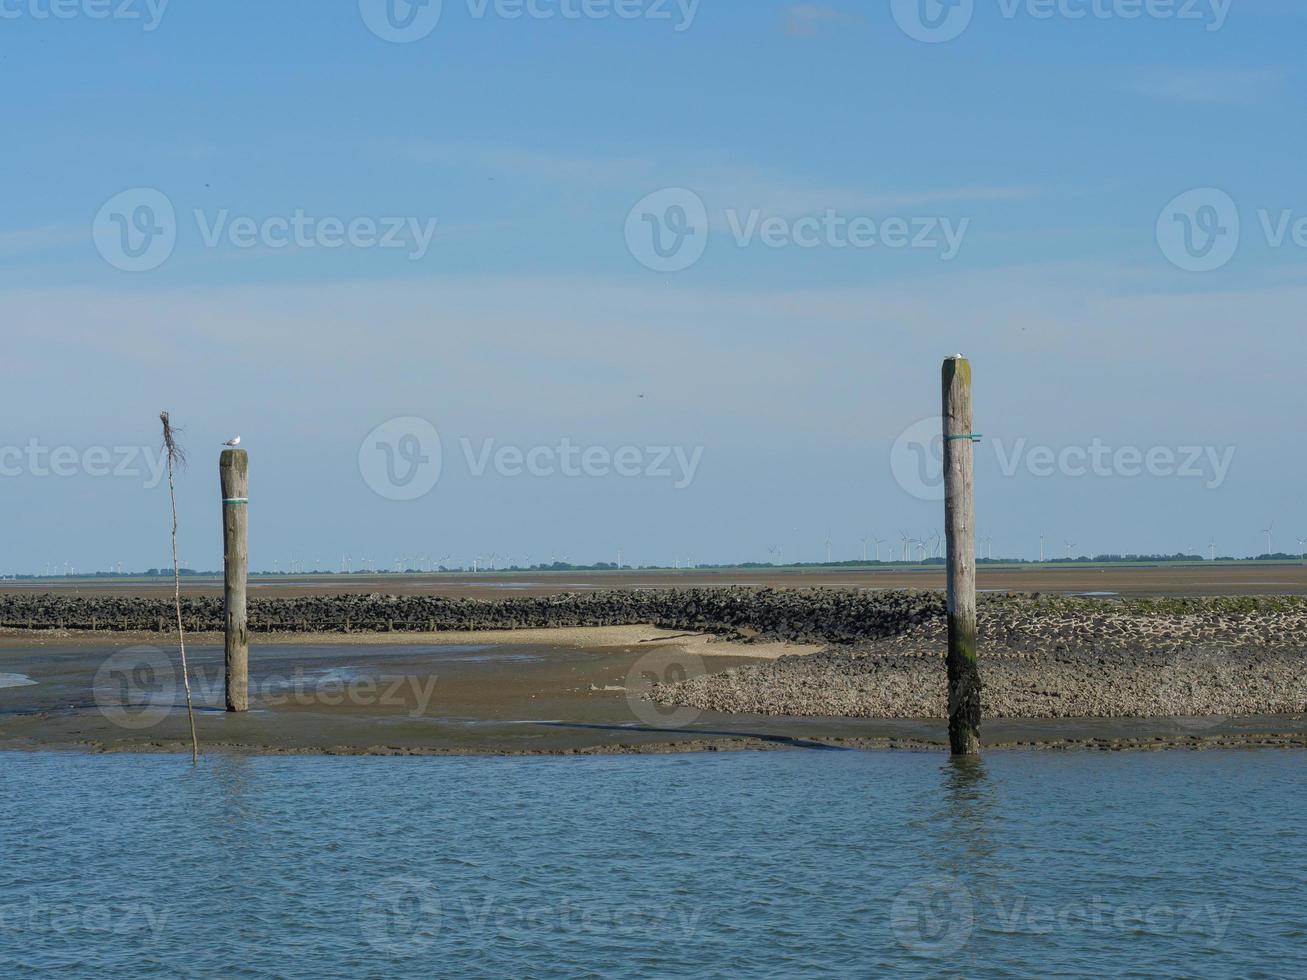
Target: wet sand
[[558, 691]]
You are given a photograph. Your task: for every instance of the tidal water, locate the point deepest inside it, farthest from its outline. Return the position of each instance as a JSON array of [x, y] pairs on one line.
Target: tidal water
[[786, 864]]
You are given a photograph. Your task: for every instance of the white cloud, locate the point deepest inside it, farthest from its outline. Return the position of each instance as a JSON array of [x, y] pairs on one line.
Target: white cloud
[[1211, 86], [23, 240], [807, 20]]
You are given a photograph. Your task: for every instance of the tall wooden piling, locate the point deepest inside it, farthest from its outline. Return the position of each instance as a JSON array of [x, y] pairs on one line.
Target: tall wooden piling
[[960, 526], [234, 468]]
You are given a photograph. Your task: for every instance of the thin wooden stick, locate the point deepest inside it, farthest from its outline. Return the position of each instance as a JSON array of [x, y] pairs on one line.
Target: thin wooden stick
[[177, 456]]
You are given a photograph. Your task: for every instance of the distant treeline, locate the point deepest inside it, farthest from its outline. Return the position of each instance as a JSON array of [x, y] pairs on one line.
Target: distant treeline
[[608, 566]]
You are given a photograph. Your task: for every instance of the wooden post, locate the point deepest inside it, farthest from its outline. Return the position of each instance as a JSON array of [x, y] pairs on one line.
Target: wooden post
[[234, 468], [960, 526]]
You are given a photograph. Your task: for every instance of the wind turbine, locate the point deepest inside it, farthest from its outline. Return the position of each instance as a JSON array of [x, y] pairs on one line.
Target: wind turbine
[[1069, 546], [1212, 548], [1267, 531], [864, 548], [1302, 546], [828, 547], [1041, 547], [878, 542]]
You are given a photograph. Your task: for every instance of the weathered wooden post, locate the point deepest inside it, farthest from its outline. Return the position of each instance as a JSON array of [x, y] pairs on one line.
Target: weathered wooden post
[[234, 468], [960, 526]]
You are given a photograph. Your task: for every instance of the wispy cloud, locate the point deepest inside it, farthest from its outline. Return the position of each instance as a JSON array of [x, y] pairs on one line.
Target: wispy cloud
[[500, 160], [1211, 86], [791, 199], [20, 241], [721, 187], [808, 20]]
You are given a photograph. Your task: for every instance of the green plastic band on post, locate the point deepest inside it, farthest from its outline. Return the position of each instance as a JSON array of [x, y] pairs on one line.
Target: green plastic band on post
[[236, 500], [973, 438]]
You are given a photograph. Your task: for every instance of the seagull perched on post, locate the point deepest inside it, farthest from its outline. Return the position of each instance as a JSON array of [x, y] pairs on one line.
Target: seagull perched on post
[[233, 442]]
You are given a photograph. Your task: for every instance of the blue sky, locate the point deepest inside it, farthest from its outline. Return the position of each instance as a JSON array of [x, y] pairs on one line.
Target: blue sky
[[1037, 160]]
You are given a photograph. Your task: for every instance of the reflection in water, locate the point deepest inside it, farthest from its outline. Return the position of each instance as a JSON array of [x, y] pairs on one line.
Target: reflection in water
[[968, 808]]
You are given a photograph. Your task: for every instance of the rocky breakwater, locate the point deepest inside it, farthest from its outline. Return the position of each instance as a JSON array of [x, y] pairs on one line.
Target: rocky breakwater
[[805, 616]]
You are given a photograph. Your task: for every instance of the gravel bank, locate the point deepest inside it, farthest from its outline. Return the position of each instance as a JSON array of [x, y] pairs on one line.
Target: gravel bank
[[1048, 658]]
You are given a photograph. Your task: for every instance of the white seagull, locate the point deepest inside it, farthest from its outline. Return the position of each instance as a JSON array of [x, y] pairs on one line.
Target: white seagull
[[233, 442]]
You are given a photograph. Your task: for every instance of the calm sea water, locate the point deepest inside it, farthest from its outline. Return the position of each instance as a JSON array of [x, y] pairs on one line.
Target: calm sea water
[[776, 864]]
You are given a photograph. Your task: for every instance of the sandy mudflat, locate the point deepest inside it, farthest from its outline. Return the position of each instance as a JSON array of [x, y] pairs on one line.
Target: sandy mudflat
[[1059, 673], [579, 637], [512, 692]]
